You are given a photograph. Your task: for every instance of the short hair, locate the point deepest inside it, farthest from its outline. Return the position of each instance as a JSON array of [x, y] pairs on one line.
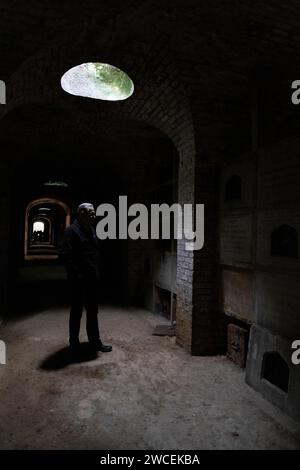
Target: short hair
[[85, 205]]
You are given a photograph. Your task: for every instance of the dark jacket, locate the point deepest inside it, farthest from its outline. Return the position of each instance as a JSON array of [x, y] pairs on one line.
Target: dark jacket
[[79, 252]]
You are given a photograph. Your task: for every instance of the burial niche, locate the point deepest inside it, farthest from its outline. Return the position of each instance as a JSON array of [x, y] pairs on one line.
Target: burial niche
[[233, 188], [284, 241], [275, 370]]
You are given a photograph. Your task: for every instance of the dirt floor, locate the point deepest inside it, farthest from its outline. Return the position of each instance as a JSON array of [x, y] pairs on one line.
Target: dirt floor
[[148, 393]]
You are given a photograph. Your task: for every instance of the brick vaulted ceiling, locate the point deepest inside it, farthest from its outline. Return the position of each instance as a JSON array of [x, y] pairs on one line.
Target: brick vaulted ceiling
[[220, 49]]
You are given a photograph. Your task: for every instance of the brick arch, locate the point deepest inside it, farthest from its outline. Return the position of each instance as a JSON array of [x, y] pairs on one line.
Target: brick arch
[[159, 97], [30, 206], [159, 100]]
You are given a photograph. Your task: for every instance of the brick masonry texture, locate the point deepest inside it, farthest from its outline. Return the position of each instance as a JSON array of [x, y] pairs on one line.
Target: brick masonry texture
[[195, 66]]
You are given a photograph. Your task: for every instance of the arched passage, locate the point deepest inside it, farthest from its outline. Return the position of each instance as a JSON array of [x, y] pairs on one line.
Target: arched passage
[[45, 221], [159, 101]]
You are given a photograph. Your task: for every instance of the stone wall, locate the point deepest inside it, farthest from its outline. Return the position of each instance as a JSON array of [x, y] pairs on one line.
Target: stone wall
[[260, 285]]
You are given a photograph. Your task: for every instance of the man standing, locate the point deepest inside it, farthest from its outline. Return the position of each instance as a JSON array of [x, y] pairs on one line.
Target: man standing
[[79, 254]]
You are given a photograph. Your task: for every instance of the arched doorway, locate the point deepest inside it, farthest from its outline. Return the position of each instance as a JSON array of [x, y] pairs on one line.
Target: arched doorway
[[45, 222]]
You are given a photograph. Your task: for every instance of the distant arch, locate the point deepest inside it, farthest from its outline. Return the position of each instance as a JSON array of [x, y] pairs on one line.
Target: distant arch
[[55, 217]]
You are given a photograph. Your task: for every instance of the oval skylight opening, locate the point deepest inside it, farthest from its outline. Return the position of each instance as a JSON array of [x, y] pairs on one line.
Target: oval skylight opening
[[97, 80]]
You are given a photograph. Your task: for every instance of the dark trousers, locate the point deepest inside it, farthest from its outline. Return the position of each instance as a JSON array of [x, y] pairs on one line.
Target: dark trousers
[[84, 293]]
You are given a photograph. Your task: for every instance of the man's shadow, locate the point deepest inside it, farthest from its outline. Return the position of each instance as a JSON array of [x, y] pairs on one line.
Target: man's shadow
[[64, 357]]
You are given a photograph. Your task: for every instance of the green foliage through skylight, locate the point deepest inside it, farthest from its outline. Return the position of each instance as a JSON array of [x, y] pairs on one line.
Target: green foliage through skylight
[[97, 80]]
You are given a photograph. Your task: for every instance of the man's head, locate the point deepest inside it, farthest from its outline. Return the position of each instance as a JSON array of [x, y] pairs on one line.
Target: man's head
[[86, 213]]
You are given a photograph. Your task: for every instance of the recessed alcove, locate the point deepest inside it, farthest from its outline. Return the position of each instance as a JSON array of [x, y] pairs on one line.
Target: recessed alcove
[[284, 241], [233, 188], [275, 370]]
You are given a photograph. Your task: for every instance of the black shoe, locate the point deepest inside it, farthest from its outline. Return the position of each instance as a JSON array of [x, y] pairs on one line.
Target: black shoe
[[100, 347]]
